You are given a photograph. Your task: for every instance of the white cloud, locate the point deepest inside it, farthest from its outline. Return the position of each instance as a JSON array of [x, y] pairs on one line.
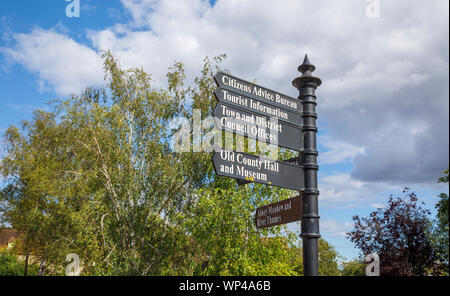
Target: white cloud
[[343, 191], [339, 152], [378, 205], [339, 188], [335, 228], [61, 62]]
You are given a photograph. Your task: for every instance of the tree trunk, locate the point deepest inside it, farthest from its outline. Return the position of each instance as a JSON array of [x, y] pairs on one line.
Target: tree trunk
[[26, 265], [42, 268]]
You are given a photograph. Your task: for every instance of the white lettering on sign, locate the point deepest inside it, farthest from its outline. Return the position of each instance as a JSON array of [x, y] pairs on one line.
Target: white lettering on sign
[[250, 124], [259, 92], [273, 214], [271, 111], [252, 175], [255, 105], [235, 84], [242, 165]]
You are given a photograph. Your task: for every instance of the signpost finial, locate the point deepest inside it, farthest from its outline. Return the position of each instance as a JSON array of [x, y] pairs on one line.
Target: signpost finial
[[306, 69], [306, 66]]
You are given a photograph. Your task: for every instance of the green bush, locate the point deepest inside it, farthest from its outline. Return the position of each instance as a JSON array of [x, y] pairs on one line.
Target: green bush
[[10, 265]]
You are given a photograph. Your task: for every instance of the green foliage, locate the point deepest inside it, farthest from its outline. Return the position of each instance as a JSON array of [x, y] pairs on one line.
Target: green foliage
[[442, 205], [10, 265], [227, 241], [328, 257], [440, 233], [353, 268]]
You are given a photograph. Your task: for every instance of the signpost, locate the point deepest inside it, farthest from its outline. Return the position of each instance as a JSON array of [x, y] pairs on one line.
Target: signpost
[[307, 84], [259, 113], [282, 212], [257, 169]]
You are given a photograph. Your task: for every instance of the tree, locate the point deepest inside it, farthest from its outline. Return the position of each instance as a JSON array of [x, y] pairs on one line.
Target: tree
[[441, 231], [96, 176], [227, 241], [328, 257], [32, 204], [355, 267], [399, 234]]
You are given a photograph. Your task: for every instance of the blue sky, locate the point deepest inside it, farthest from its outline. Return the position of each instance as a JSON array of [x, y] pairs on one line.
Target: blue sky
[[383, 106]]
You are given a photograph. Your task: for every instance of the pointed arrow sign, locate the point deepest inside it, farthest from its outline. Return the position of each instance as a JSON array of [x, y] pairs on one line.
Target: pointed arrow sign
[[286, 211], [257, 127], [249, 104], [258, 93], [249, 167]]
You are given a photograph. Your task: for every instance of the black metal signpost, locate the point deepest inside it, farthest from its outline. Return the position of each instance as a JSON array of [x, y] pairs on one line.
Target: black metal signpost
[[247, 109], [307, 84]]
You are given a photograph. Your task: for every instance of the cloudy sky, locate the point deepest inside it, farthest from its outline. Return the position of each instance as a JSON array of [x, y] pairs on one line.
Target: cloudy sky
[[383, 106]]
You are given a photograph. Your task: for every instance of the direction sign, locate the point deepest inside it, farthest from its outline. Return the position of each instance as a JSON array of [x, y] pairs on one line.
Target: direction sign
[[262, 170], [249, 104], [257, 127], [258, 93], [259, 113], [286, 211]]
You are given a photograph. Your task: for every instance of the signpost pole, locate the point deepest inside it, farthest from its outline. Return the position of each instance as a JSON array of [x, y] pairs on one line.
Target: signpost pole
[[307, 84]]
